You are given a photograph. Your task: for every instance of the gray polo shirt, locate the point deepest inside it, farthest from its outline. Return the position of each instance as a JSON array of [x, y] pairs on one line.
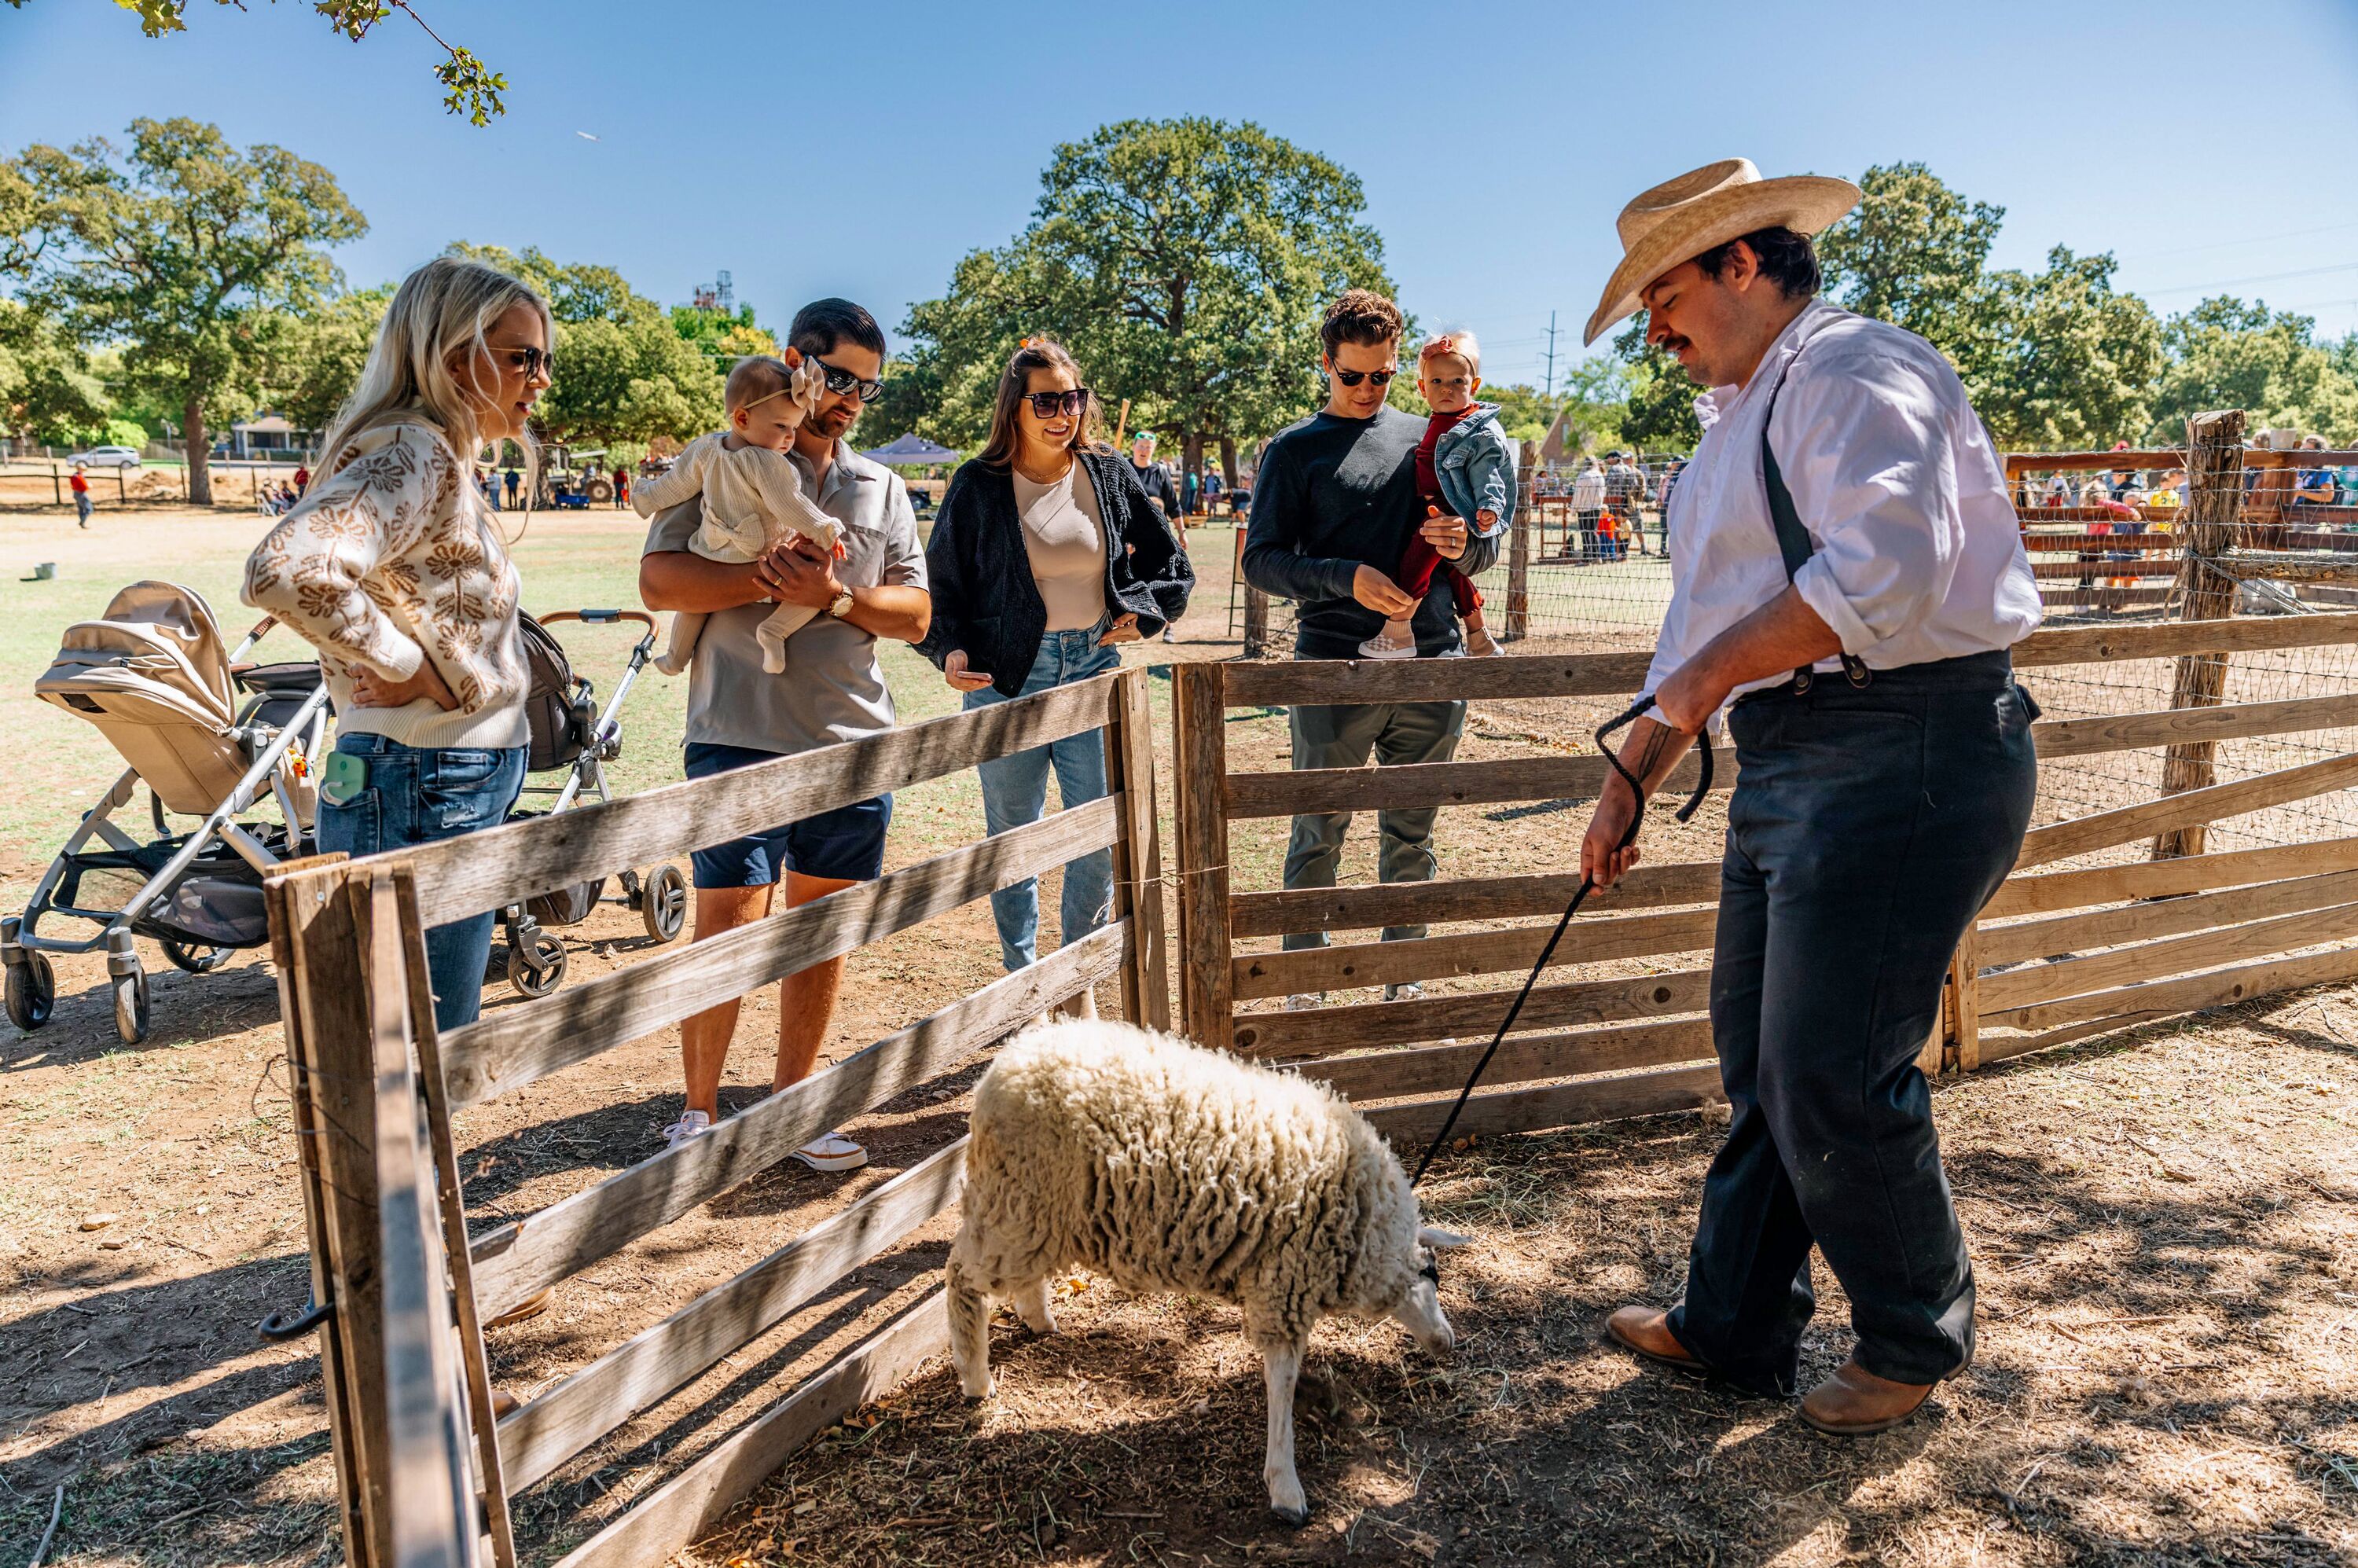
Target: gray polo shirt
[[833, 688]]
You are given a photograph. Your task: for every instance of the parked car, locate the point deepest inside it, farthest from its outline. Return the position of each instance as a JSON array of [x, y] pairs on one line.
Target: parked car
[[107, 457]]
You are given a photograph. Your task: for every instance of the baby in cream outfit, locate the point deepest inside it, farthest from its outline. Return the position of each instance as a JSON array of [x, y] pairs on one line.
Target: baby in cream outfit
[[753, 499]]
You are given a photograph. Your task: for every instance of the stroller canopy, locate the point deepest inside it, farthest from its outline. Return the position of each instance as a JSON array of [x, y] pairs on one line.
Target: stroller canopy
[[153, 674]]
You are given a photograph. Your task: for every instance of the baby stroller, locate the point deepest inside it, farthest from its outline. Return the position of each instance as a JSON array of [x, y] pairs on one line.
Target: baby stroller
[[153, 675], [571, 734]]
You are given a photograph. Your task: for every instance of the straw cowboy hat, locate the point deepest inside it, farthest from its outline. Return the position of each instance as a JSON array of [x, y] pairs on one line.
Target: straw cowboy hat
[[1680, 219]]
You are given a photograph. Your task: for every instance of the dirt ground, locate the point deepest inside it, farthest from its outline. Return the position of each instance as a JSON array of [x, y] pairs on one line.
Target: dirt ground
[[2163, 1227]]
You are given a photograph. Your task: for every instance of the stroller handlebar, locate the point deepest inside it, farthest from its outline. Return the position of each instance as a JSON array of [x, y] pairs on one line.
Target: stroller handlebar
[[599, 617]]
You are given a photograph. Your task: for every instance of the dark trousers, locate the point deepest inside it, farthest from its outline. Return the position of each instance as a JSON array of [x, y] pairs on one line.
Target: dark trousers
[[1344, 737], [1868, 827]]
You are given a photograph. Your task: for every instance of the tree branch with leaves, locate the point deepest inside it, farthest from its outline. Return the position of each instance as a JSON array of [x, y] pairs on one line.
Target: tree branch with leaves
[[469, 86]]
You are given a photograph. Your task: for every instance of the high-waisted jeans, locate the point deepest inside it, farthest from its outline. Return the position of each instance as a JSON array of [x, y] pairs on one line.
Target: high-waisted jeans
[[1015, 790], [417, 796], [1869, 826]]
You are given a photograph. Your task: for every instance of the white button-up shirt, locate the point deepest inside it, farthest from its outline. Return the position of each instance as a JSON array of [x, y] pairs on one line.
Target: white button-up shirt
[[1919, 553]]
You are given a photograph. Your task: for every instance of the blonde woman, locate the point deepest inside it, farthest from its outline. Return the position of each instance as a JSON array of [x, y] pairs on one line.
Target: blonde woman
[[393, 567]]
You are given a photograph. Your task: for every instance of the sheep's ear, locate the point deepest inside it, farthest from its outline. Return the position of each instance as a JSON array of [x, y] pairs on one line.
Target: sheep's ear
[[1434, 1235]]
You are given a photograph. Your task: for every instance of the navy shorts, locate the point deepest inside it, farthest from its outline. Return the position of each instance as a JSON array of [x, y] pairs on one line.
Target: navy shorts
[[843, 845]]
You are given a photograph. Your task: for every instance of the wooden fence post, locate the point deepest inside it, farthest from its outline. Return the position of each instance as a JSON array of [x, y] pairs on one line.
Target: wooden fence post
[[310, 938], [1256, 621], [2206, 592], [1519, 546], [386, 1350], [1965, 990], [1138, 856], [429, 1494], [1200, 741]]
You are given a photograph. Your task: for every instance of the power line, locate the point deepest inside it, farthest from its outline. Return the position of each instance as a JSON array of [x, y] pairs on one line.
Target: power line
[[1551, 355]]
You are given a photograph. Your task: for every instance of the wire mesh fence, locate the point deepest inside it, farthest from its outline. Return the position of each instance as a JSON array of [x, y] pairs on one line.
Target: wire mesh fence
[[2110, 539]]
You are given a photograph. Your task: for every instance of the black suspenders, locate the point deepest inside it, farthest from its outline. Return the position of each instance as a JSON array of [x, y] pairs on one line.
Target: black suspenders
[[1792, 539]]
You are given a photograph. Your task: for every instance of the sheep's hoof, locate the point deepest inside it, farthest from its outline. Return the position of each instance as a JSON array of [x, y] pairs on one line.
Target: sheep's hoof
[[1294, 1515], [976, 1396]]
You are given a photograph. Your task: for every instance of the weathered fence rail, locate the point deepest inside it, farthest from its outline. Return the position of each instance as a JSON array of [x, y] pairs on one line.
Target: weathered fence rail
[[2057, 950], [425, 1467]]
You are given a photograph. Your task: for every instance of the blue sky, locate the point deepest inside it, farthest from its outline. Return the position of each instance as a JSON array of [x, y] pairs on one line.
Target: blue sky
[[862, 149]]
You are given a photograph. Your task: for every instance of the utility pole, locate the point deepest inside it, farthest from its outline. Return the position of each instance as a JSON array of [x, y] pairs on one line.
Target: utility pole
[[1551, 355]]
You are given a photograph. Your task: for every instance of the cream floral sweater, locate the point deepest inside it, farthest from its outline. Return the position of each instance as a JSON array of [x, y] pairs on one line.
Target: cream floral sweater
[[393, 558]]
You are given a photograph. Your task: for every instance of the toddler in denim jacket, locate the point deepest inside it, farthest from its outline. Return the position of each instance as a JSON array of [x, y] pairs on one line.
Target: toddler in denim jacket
[[1465, 467]]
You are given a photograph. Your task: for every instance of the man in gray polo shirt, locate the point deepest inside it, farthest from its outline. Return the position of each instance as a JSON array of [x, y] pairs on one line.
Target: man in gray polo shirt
[[832, 690]]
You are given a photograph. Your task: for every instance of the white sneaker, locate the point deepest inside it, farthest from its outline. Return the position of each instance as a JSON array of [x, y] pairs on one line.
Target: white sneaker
[[1305, 1001], [1406, 991], [1482, 645], [832, 1152], [691, 1124], [1384, 645]]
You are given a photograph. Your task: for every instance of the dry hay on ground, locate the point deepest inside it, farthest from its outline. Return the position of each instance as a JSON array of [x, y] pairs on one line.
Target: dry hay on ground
[[2165, 1237]]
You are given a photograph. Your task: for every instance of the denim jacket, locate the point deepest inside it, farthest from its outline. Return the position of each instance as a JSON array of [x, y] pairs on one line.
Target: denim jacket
[[1475, 464]]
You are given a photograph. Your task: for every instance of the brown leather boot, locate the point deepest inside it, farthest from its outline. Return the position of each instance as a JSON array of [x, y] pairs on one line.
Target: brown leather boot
[[1855, 1402], [1646, 1331]]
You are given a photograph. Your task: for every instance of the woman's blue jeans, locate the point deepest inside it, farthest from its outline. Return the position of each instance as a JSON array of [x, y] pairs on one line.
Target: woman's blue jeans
[[417, 796], [1015, 790]]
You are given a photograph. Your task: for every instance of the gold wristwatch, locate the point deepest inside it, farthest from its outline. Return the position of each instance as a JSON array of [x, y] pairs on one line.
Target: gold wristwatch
[[840, 605]]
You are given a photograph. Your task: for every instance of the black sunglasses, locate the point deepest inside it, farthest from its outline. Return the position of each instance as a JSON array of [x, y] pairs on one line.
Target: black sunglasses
[[842, 381], [1353, 377], [532, 362], [1048, 405]]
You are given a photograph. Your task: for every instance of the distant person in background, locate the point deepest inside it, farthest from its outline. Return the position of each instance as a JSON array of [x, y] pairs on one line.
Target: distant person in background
[[80, 483], [621, 485], [1625, 492], [1211, 489], [489, 483], [302, 478], [2314, 485], [1587, 510], [1152, 477], [512, 480]]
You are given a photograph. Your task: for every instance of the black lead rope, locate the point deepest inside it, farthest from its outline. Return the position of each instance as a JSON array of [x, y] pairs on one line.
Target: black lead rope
[[1580, 895]]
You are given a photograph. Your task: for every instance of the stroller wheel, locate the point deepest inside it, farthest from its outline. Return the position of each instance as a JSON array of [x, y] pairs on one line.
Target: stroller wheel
[[132, 1016], [662, 904], [195, 959], [32, 991], [537, 963]]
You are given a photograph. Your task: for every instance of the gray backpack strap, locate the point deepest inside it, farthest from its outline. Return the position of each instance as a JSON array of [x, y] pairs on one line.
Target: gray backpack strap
[[1792, 539]]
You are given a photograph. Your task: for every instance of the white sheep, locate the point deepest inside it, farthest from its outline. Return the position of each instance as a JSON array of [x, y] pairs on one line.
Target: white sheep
[[1173, 1168]]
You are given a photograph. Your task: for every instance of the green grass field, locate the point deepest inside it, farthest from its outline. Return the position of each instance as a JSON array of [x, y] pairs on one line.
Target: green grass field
[[55, 765]]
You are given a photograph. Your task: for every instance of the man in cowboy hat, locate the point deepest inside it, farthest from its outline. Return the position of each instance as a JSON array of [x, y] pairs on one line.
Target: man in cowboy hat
[[1844, 563]]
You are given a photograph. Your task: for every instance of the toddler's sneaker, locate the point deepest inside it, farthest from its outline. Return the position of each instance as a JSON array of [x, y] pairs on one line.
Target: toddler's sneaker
[[1396, 641], [689, 1125], [1482, 645], [832, 1152]]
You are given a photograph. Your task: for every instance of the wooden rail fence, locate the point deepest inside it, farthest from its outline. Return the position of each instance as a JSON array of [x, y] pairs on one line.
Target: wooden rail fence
[[425, 1468], [2057, 953]]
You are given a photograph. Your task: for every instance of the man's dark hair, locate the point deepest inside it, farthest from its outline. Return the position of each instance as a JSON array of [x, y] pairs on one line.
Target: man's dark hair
[[820, 325], [1787, 259], [1360, 316]]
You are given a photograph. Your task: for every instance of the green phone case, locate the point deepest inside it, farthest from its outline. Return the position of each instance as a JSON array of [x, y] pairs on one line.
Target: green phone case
[[342, 779]]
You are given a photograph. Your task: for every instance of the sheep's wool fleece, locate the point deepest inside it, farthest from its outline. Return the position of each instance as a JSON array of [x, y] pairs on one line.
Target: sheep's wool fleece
[[1173, 1168]]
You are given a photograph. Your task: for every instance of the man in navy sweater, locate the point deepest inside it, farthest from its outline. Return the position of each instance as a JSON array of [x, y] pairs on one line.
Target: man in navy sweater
[[1334, 506]]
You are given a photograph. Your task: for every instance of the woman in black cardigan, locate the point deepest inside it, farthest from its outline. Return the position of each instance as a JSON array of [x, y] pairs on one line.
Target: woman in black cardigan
[[1046, 557]]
